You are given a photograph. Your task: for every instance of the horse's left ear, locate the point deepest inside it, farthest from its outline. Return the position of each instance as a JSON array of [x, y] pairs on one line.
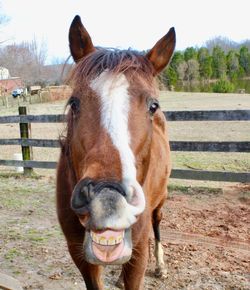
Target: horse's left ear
[[161, 53], [80, 42]]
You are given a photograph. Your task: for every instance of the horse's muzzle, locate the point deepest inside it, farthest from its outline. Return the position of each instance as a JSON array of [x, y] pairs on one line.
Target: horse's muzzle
[[105, 210]]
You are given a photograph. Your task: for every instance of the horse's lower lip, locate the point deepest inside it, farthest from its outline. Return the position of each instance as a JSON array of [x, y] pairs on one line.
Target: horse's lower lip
[[108, 254]]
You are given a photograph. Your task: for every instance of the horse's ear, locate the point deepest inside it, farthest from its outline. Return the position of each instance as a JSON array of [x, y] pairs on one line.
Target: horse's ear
[[80, 43], [161, 53]]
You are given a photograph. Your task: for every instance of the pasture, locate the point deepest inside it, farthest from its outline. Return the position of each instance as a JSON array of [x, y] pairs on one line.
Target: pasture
[[206, 224]]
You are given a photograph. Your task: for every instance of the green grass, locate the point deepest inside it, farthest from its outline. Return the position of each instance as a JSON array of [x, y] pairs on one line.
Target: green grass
[[19, 175], [235, 162], [12, 254], [17, 192], [192, 190]]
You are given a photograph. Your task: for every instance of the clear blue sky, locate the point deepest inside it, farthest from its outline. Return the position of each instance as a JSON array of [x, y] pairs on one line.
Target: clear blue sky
[[125, 23]]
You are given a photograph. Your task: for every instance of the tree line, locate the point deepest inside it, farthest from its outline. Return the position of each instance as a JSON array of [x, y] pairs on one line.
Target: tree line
[[221, 60], [208, 64], [189, 67]]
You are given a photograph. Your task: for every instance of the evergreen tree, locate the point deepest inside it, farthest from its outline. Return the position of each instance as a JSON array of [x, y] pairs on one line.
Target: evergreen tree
[[170, 74], [205, 62], [190, 53], [219, 64], [233, 65], [244, 60], [176, 59], [170, 77]]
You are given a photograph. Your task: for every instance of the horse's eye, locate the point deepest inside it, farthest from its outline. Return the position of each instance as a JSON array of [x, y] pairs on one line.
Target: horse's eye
[[74, 104], [153, 106]]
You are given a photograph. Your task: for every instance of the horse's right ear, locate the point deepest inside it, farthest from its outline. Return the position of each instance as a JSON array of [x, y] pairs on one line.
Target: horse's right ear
[[80, 43]]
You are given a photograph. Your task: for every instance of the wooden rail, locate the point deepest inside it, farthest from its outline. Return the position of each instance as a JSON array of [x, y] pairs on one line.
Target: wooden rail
[[222, 115], [176, 173], [211, 175], [194, 146], [218, 115], [29, 163], [33, 119]]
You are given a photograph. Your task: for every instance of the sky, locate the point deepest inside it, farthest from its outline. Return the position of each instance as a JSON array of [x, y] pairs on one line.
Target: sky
[[138, 24]]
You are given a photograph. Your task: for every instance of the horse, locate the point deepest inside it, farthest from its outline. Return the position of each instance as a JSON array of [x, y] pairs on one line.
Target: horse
[[114, 163]]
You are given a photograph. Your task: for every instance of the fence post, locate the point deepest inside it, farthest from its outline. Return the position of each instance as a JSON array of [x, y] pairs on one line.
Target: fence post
[[6, 101], [24, 133]]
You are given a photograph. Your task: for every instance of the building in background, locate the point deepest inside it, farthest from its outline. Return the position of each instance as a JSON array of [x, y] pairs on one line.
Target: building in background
[[8, 83], [4, 73]]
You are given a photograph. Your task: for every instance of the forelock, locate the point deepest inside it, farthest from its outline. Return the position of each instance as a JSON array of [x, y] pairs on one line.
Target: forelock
[[115, 61]]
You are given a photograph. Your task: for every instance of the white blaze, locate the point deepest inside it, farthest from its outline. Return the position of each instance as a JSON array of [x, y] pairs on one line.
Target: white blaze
[[115, 107]]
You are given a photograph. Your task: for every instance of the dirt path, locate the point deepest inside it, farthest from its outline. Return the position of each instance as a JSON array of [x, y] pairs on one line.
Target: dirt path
[[205, 233]]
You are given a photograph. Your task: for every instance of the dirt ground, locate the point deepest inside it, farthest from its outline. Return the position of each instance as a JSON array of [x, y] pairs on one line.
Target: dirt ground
[[205, 234]]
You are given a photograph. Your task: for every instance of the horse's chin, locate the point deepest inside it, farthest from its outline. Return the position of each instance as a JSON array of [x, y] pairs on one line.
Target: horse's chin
[[108, 247]]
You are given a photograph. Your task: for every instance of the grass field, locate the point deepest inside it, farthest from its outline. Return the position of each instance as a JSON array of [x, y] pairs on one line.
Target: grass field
[[189, 131]]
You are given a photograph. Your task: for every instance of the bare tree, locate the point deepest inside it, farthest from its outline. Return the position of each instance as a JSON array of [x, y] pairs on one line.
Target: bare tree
[[181, 70], [225, 43], [25, 60], [192, 72]]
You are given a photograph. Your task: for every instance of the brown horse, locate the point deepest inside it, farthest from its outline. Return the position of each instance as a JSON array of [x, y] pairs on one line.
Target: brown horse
[[115, 159]]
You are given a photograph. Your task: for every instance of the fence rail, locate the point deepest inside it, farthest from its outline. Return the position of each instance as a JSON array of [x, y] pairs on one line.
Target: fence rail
[[33, 119], [194, 146], [176, 173], [29, 163], [217, 115]]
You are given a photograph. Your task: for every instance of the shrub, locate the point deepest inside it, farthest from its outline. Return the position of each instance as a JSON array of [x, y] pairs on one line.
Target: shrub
[[223, 86]]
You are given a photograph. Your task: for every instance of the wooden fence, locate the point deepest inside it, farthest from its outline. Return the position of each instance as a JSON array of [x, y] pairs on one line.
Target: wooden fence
[[223, 115]]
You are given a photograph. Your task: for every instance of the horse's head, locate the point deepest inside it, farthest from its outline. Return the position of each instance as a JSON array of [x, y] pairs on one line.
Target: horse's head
[[112, 110]]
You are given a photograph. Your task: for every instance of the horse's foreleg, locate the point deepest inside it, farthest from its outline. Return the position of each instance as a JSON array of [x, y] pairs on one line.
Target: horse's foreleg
[[91, 273], [160, 269]]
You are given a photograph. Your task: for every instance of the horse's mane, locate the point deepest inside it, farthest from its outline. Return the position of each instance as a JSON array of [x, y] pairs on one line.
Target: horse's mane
[[113, 60]]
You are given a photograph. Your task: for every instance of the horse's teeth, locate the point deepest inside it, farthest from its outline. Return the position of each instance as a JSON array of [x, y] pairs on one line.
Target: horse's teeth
[[111, 241], [106, 242]]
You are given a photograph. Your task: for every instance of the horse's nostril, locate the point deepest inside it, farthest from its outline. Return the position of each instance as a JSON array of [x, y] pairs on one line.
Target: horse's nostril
[[82, 196], [89, 189]]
